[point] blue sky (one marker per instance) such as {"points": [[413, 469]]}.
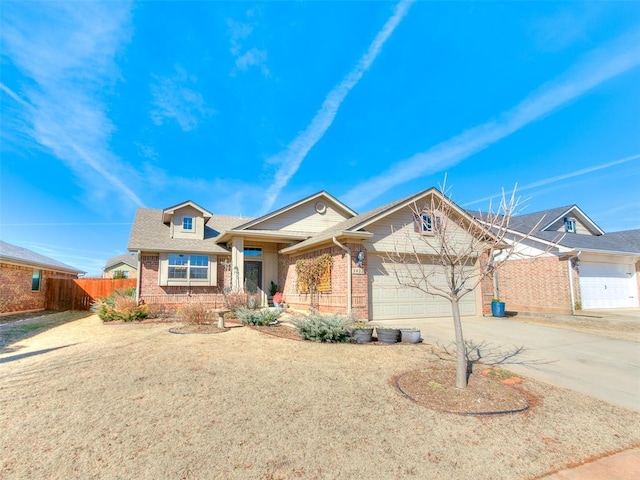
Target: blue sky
{"points": [[245, 107]]}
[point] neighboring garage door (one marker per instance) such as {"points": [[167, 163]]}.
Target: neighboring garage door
{"points": [[390, 301], [605, 285]]}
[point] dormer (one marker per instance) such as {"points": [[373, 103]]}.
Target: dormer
{"points": [[573, 221], [186, 220]]}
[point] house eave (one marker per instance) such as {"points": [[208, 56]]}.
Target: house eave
{"points": [[43, 266], [275, 237], [315, 243]]}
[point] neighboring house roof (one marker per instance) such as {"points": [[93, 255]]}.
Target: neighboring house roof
{"points": [[23, 256], [537, 223], [542, 220], [129, 259], [149, 232]]}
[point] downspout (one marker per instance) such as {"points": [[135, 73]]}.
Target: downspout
{"points": [[571, 294], [349, 295], [139, 258]]}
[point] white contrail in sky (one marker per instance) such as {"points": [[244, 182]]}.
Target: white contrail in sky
{"points": [[289, 160], [557, 178], [598, 67]]}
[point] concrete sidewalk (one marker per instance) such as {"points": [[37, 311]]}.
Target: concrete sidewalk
{"points": [[620, 466]]}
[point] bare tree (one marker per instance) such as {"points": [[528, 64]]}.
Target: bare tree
{"points": [[453, 252]]}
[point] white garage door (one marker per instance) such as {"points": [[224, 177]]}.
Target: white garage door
{"points": [[604, 285], [390, 301]]}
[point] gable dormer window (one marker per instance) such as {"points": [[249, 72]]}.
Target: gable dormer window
{"points": [[187, 224], [570, 225], [425, 223]]}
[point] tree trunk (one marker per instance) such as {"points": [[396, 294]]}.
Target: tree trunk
{"points": [[461, 350]]}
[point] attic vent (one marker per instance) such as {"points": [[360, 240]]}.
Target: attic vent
{"points": [[321, 207]]}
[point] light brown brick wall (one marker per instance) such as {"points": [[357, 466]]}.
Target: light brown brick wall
{"points": [[15, 288], [535, 285], [334, 301]]}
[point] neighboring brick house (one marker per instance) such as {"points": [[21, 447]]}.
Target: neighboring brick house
{"points": [[569, 263], [189, 254], [23, 278], [122, 266]]}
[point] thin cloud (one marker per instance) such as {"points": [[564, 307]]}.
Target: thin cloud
{"points": [[66, 53], [175, 99], [565, 176], [246, 57], [596, 68], [253, 57], [289, 160], [559, 178]]}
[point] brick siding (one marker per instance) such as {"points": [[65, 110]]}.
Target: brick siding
{"points": [[334, 301], [536, 285], [15, 288], [174, 296]]}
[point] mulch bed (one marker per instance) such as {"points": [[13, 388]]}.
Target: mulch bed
{"points": [[435, 388]]}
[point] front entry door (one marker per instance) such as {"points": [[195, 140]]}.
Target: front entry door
{"points": [[253, 276]]}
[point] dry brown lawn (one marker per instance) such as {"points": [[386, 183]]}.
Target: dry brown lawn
{"points": [[87, 400]]}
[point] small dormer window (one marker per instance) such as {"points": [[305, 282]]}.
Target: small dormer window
{"points": [[426, 224], [570, 225], [187, 223]]}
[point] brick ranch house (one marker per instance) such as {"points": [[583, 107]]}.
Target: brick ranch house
{"points": [[23, 278], [570, 264], [186, 253]]}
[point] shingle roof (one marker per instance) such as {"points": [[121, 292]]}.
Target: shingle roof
{"points": [[150, 233], [127, 258], [22, 255], [614, 242]]}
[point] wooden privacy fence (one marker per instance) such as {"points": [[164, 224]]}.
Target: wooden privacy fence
{"points": [[78, 293]]}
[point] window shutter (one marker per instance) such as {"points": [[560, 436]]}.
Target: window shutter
{"points": [[325, 282], [417, 223]]}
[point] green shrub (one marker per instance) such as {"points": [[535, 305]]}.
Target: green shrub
{"points": [[195, 314], [257, 317], [120, 305], [324, 328]]}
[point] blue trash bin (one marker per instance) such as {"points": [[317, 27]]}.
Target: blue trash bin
{"points": [[497, 309]]}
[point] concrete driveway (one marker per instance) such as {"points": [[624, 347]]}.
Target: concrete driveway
{"points": [[600, 367]]}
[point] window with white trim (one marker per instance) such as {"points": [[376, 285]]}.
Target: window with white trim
{"points": [[425, 223], [187, 223], [182, 267], [570, 225]]}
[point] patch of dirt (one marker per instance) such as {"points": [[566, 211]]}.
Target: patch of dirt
{"points": [[203, 328], [280, 330], [435, 388]]}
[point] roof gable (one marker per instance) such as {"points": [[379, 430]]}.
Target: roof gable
{"points": [[552, 220], [129, 259], [357, 225], [167, 213], [312, 214]]}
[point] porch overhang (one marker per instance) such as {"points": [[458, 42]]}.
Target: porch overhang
{"points": [[314, 243]]}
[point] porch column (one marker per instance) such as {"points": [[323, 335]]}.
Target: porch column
{"points": [[237, 263]]}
